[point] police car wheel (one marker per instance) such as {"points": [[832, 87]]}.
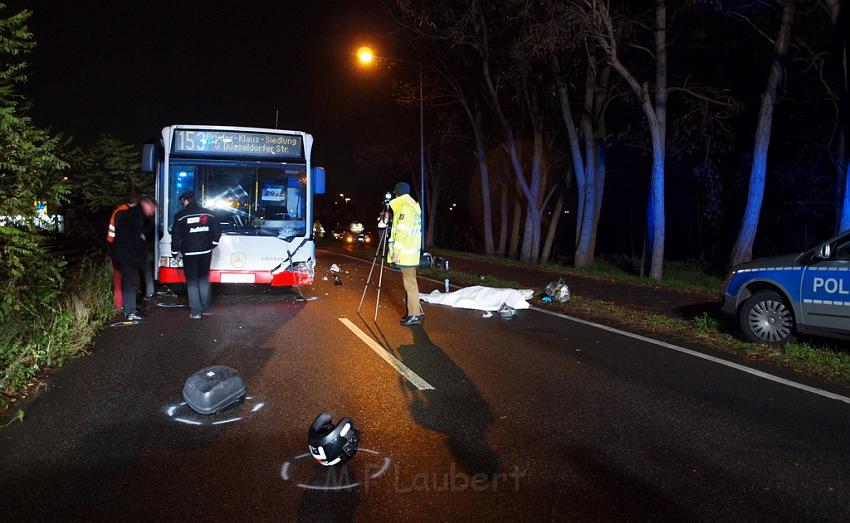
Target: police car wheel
{"points": [[767, 318]]}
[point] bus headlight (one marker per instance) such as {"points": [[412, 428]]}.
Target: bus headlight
{"points": [[167, 261], [305, 271]]}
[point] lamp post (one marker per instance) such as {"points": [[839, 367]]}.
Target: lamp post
{"points": [[367, 57]]}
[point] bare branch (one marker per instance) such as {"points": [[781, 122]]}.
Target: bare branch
{"points": [[642, 48], [700, 96], [754, 26]]}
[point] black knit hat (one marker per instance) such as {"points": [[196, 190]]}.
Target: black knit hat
{"points": [[401, 188]]}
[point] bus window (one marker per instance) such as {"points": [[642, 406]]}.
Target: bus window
{"points": [[249, 198]]}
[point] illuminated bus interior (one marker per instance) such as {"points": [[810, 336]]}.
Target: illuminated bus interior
{"points": [[250, 198]]}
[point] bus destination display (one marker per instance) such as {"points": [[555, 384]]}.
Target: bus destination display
{"points": [[234, 143]]}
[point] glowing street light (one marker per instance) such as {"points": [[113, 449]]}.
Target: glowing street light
{"points": [[367, 57]]}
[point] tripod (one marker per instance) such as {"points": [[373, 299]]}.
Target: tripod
{"points": [[382, 251]]}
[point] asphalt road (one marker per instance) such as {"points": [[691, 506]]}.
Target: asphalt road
{"points": [[534, 418]]}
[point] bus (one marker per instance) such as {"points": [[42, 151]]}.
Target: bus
{"points": [[259, 182]]}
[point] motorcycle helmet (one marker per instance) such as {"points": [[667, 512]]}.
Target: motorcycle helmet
{"points": [[332, 444]]}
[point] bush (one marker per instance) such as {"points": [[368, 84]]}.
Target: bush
{"points": [[29, 343]]}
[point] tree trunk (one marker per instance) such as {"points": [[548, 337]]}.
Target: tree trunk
{"points": [[512, 148], [599, 178], [655, 209], [584, 227], [575, 147], [484, 169], [600, 165], [503, 221], [537, 184], [553, 226], [743, 249], [517, 221]]}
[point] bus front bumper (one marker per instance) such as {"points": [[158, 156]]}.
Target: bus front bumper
{"points": [[281, 279]]}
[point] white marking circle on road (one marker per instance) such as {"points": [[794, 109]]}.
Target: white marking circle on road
{"points": [[402, 369], [331, 477], [721, 361]]}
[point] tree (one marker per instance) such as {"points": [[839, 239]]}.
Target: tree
{"points": [[743, 248], [603, 21], [30, 171], [106, 172]]}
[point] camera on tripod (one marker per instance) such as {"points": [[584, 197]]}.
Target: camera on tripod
{"points": [[384, 216]]}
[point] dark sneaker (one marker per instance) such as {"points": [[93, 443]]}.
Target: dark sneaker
{"points": [[411, 320], [133, 317], [195, 316]]}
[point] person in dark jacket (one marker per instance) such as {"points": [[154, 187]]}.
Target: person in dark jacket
{"points": [[195, 234], [127, 247]]}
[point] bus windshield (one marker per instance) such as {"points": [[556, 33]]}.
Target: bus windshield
{"points": [[250, 198]]}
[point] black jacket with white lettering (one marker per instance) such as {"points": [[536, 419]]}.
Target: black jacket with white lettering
{"points": [[196, 231]]}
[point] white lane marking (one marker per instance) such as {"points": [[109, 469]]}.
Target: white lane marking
{"points": [[697, 354], [402, 369], [720, 361]]}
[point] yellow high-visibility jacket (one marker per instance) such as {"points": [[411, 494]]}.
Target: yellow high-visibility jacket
{"points": [[406, 237]]}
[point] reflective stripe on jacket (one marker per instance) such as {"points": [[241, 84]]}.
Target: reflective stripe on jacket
{"points": [[406, 237], [110, 233]]}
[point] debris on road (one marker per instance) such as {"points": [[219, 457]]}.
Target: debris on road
{"points": [[324, 278], [337, 280], [335, 268], [124, 323], [558, 290], [506, 312], [487, 314], [441, 263]]}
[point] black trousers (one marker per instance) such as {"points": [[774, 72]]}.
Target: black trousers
{"points": [[129, 275], [197, 271]]}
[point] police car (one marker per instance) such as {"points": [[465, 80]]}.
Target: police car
{"points": [[809, 293]]}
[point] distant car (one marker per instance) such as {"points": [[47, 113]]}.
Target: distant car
{"points": [[338, 232], [809, 293], [357, 239]]}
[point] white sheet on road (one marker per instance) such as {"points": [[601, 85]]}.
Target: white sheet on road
{"points": [[480, 298]]}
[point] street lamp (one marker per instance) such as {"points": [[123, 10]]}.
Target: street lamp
{"points": [[367, 57]]}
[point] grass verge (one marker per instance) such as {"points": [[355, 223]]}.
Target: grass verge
{"points": [[31, 345]]}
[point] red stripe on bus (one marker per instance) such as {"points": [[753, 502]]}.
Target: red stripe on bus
{"points": [[281, 279]]}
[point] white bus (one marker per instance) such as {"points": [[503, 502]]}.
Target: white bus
{"points": [[260, 183]]}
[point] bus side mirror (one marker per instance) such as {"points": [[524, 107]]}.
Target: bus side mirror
{"points": [[149, 158], [318, 175], [824, 251]]}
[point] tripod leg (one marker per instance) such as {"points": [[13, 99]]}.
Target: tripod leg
{"points": [[372, 268], [380, 279]]}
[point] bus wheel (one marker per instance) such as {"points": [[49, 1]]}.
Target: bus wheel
{"points": [[766, 318]]}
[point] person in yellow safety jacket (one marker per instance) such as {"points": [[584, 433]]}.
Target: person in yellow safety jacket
{"points": [[404, 246]]}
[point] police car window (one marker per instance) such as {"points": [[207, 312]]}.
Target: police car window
{"points": [[842, 249]]}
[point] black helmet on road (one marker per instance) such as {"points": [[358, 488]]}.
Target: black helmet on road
{"points": [[333, 444]]}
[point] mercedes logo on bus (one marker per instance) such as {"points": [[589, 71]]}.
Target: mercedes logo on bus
{"points": [[238, 259]]}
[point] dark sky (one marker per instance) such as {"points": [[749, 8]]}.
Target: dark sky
{"points": [[131, 68]]}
